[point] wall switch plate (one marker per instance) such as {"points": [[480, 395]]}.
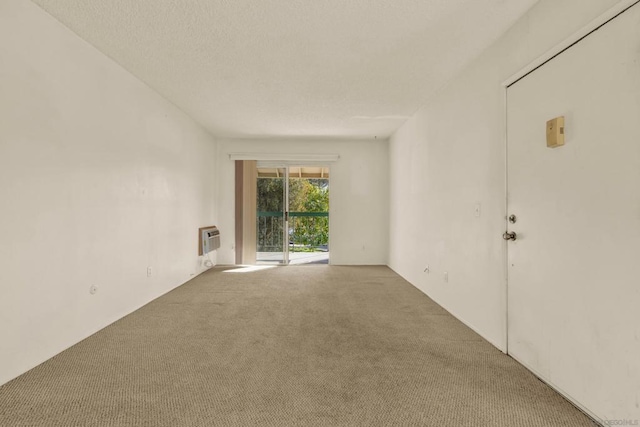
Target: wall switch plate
{"points": [[149, 271], [446, 277], [476, 210]]}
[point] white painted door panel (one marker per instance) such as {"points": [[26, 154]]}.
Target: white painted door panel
{"points": [[574, 270]]}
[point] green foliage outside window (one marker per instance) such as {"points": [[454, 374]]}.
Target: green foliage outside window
{"points": [[305, 195]]}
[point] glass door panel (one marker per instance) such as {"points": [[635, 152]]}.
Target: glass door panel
{"points": [[272, 230], [309, 214]]}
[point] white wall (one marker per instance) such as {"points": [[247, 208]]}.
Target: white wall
{"points": [[358, 197], [450, 156], [100, 177]]}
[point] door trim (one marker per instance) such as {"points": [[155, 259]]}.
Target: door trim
{"points": [[621, 7], [505, 350], [285, 218]]}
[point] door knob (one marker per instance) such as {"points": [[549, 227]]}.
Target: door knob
{"points": [[509, 236]]}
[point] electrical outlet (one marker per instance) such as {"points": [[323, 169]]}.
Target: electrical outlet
{"points": [[446, 277], [149, 271]]}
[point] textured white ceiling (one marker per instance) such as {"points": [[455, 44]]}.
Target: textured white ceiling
{"points": [[289, 68]]}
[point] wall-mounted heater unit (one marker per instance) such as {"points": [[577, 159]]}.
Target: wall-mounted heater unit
{"points": [[209, 239]]}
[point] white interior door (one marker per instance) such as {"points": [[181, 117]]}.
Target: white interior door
{"points": [[574, 270]]}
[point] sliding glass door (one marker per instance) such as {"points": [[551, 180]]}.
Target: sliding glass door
{"points": [[272, 241], [309, 215], [292, 214]]}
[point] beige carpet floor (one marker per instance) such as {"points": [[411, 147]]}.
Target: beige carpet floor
{"points": [[290, 346]]}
